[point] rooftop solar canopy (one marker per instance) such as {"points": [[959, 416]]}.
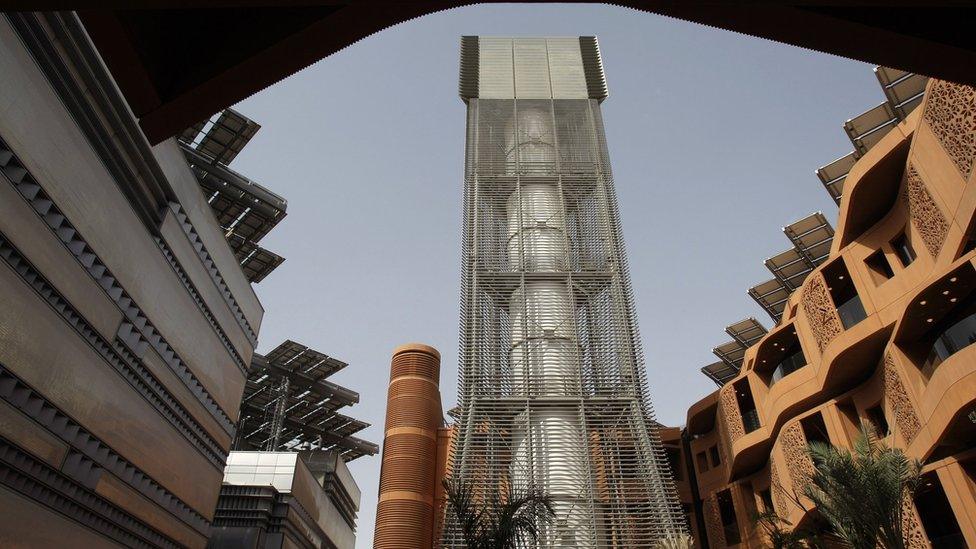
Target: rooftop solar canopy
{"points": [[867, 128], [906, 89], [288, 404], [240, 205], [719, 372], [747, 331], [812, 237], [255, 261], [731, 352], [222, 138], [772, 296], [833, 175], [789, 267]]}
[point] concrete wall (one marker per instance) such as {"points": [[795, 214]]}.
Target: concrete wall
{"points": [[122, 359]]}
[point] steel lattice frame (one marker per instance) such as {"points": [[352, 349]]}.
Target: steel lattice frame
{"points": [[552, 383]]}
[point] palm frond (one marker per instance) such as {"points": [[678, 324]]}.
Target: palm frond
{"points": [[862, 493]]}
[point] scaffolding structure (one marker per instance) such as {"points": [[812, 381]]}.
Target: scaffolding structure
{"points": [[552, 383]]}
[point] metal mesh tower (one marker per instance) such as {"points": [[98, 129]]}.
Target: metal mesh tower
{"points": [[552, 384]]}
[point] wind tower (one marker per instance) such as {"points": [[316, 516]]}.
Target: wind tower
{"points": [[552, 390]]}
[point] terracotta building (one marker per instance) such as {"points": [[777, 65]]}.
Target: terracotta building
{"points": [[878, 330], [415, 452]]}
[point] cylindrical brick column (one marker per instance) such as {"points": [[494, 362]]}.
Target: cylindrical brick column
{"points": [[405, 514]]}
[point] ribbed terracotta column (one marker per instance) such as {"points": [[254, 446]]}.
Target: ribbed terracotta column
{"points": [[405, 514]]}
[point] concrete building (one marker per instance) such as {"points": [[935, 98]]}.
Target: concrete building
{"points": [[878, 329], [274, 500], [552, 387], [128, 321]]}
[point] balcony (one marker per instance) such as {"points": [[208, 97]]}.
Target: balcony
{"points": [[953, 335]]}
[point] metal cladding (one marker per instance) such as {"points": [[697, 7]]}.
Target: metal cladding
{"points": [[408, 478], [552, 385]]}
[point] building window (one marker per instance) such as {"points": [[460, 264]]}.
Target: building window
{"points": [[747, 406], [730, 525], [713, 455], [814, 429], [702, 462], [880, 268], [876, 417], [936, 515], [793, 360], [952, 334], [842, 291], [766, 497], [903, 249]]}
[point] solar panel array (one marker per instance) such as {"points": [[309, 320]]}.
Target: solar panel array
{"points": [[245, 210], [289, 404], [903, 92], [744, 334]]}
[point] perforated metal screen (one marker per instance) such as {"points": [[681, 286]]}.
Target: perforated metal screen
{"points": [[552, 384]]}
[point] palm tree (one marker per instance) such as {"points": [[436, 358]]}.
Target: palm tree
{"points": [[500, 519], [677, 541], [782, 535], [862, 494]]}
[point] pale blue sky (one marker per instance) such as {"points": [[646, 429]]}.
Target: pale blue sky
{"points": [[714, 138]]}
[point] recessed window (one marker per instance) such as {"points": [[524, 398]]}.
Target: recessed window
{"points": [[730, 524], [876, 417], [950, 335], [844, 294], [814, 429], [880, 268], [713, 454], [747, 406], [938, 519], [903, 249], [767, 499], [702, 460], [787, 355]]}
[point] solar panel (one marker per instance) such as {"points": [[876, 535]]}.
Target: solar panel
{"points": [[789, 267], [747, 331], [887, 75], [240, 205], [256, 261], [905, 89], [719, 372], [832, 175], [289, 404], [731, 352], [772, 296], [870, 120], [812, 237], [223, 138], [903, 92]]}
